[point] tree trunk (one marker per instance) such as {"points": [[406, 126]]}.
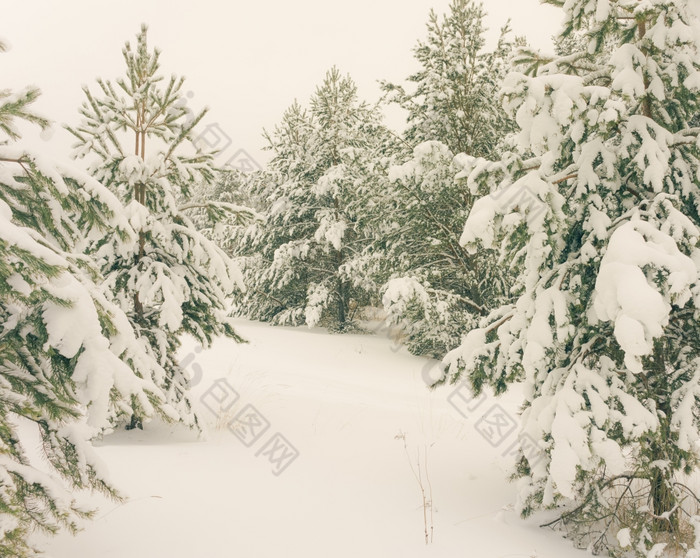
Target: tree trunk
{"points": [[342, 292], [661, 494], [662, 497], [140, 196], [646, 102], [663, 501], [342, 303], [135, 423]]}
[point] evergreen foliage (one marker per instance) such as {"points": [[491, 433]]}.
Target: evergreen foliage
{"points": [[170, 279], [430, 284], [71, 366], [453, 98], [602, 327], [327, 164]]}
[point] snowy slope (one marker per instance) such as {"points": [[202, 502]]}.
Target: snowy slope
{"points": [[340, 401]]}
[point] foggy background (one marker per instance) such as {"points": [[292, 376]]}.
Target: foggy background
{"points": [[246, 61]]}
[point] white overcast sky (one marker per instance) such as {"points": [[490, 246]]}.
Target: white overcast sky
{"points": [[246, 60]]}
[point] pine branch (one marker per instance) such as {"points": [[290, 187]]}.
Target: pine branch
{"points": [[15, 107]]}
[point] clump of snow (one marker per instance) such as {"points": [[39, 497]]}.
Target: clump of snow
{"points": [[623, 537], [628, 77], [331, 230], [317, 301], [403, 289], [426, 151], [133, 169], [626, 295]]}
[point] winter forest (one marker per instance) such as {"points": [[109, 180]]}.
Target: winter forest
{"points": [[474, 336]]}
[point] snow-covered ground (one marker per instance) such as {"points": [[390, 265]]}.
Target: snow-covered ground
{"points": [[317, 469]]}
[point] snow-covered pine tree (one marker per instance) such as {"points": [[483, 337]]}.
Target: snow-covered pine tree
{"points": [[71, 366], [431, 285], [327, 162], [598, 208], [138, 135], [453, 97]]}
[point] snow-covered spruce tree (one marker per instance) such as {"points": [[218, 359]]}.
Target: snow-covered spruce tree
{"points": [[170, 279], [327, 163], [71, 366], [599, 209], [453, 98]]}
